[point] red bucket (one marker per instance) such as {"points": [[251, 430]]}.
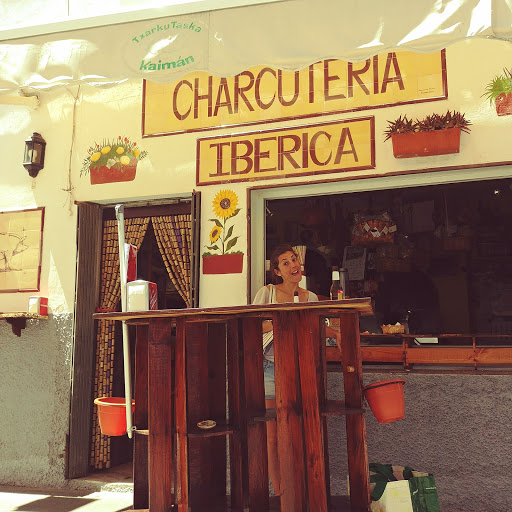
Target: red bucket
{"points": [[112, 415], [386, 399]]}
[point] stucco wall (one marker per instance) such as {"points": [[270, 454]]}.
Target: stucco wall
{"points": [[35, 401], [455, 426]]}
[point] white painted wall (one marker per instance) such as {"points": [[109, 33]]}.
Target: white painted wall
{"points": [[35, 395]]}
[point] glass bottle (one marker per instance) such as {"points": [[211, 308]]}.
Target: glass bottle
{"points": [[343, 293], [335, 286]]}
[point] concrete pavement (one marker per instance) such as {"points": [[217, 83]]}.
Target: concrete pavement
{"points": [[21, 499]]}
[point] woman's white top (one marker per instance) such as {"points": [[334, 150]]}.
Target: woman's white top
{"points": [[264, 297]]}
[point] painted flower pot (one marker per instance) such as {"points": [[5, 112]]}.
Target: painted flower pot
{"points": [[436, 142], [223, 264], [504, 104], [114, 174]]}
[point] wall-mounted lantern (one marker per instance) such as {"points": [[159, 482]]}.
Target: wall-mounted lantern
{"points": [[34, 154]]}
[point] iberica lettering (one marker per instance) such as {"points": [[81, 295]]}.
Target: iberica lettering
{"points": [[243, 156], [328, 147]]}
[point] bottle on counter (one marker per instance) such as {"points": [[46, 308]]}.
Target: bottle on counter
{"points": [[335, 285], [343, 283]]}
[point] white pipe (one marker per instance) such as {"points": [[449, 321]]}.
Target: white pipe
{"points": [[126, 339]]}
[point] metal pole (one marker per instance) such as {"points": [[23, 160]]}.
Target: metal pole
{"points": [[126, 339]]}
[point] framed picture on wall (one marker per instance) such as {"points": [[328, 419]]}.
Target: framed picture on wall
{"points": [[21, 243]]}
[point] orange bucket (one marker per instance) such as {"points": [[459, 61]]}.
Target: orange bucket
{"points": [[386, 399], [112, 415]]}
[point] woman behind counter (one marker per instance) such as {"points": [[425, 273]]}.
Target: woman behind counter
{"points": [[286, 274]]}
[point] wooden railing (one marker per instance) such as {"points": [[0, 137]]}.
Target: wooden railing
{"points": [[472, 351]]}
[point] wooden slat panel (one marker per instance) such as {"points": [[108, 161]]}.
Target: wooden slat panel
{"points": [[238, 441], [312, 387], [254, 393], [446, 355], [206, 399], [182, 469], [430, 355], [140, 449], [87, 290], [159, 417], [355, 423], [493, 355], [289, 409], [217, 392]]}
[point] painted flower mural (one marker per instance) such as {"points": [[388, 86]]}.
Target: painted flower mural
{"points": [[220, 258], [112, 161]]}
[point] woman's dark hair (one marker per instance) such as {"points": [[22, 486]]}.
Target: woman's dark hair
{"points": [[274, 260]]}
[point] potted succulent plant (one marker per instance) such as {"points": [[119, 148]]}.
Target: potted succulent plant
{"points": [[499, 92], [436, 134], [112, 161]]}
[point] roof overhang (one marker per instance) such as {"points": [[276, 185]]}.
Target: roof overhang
{"points": [[288, 35]]}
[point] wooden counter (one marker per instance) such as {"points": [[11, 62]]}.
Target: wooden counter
{"points": [[217, 353]]}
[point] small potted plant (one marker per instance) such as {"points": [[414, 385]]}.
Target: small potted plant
{"points": [[112, 161], [436, 134], [220, 257], [499, 92]]}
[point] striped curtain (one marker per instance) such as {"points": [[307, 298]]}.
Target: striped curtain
{"points": [[110, 295], [173, 234]]}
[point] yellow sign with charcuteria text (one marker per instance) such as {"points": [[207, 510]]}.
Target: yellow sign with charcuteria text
{"points": [[200, 101], [287, 152]]}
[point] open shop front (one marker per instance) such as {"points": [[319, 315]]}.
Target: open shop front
{"points": [[435, 258]]}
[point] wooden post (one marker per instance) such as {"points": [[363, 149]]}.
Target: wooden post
{"points": [[238, 465], [160, 418], [140, 442], [254, 393], [181, 479], [288, 411], [313, 398], [355, 423]]}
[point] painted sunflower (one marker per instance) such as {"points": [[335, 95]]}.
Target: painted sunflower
{"points": [[215, 234], [225, 204]]}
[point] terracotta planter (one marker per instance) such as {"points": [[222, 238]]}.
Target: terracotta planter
{"points": [[223, 264], [116, 173], [436, 142], [504, 104]]}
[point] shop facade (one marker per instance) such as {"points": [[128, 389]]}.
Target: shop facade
{"points": [[196, 160]]}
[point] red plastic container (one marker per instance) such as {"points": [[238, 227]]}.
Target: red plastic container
{"points": [[112, 415], [386, 399]]}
